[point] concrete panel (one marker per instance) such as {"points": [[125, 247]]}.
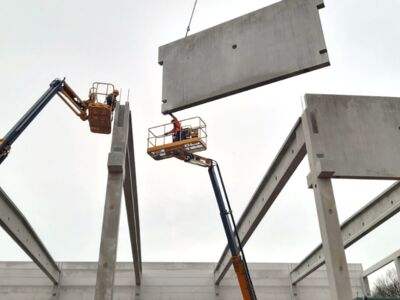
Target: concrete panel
{"points": [[163, 281], [267, 45], [354, 136]]}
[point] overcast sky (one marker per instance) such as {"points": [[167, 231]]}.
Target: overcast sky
{"points": [[56, 173]]}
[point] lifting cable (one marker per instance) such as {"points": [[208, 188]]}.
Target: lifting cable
{"points": [[191, 17], [236, 232]]}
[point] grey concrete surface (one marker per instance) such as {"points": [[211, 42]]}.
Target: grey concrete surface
{"points": [[354, 136], [112, 206], [285, 163], [164, 281], [279, 41], [328, 219], [369, 217], [18, 227], [132, 204], [333, 247]]}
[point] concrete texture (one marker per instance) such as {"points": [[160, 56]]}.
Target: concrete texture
{"points": [[164, 281], [267, 45], [369, 217], [354, 136], [20, 230], [112, 207], [132, 204], [285, 163]]}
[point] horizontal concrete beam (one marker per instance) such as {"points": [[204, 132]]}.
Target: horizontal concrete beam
{"points": [[357, 226], [273, 43], [18, 227], [285, 163], [379, 265]]}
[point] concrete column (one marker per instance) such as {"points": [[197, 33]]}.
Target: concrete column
{"points": [[397, 264], [336, 263], [55, 294], [137, 292], [217, 292], [109, 238], [292, 286], [112, 207], [365, 285]]}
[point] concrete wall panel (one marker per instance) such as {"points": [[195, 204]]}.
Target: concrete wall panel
{"points": [[163, 281], [354, 136], [267, 45]]}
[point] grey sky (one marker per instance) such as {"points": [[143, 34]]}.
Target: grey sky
{"points": [[56, 173]]}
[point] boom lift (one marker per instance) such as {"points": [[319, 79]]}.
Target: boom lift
{"points": [[193, 138], [98, 113]]}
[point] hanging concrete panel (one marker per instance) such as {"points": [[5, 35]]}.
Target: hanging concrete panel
{"points": [[267, 45], [353, 136]]}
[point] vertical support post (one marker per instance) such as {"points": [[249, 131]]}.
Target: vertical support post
{"points": [[217, 292], [55, 294], [332, 242], [365, 285], [292, 287], [333, 247], [137, 292], [112, 207], [397, 264]]}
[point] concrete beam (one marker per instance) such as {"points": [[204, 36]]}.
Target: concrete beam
{"points": [[132, 207], [379, 265], [285, 163], [18, 227], [112, 207], [271, 44], [357, 226]]}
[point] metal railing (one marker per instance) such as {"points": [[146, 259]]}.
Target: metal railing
{"points": [[190, 128]]}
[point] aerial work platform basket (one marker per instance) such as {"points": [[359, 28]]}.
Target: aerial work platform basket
{"points": [[102, 100], [192, 137]]}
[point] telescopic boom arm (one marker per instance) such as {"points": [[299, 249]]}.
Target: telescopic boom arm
{"points": [[228, 221], [99, 118]]}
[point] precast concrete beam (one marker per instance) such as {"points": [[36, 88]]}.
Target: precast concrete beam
{"points": [[384, 262], [112, 207], [285, 163], [376, 212], [19, 229], [271, 44], [132, 207], [354, 136]]}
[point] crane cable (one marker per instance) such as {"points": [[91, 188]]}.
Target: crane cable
{"points": [[191, 17]]}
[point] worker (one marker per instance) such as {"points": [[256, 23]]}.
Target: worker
{"points": [[176, 130], [110, 99]]}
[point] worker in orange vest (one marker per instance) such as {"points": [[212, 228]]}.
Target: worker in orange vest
{"points": [[176, 131]]}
